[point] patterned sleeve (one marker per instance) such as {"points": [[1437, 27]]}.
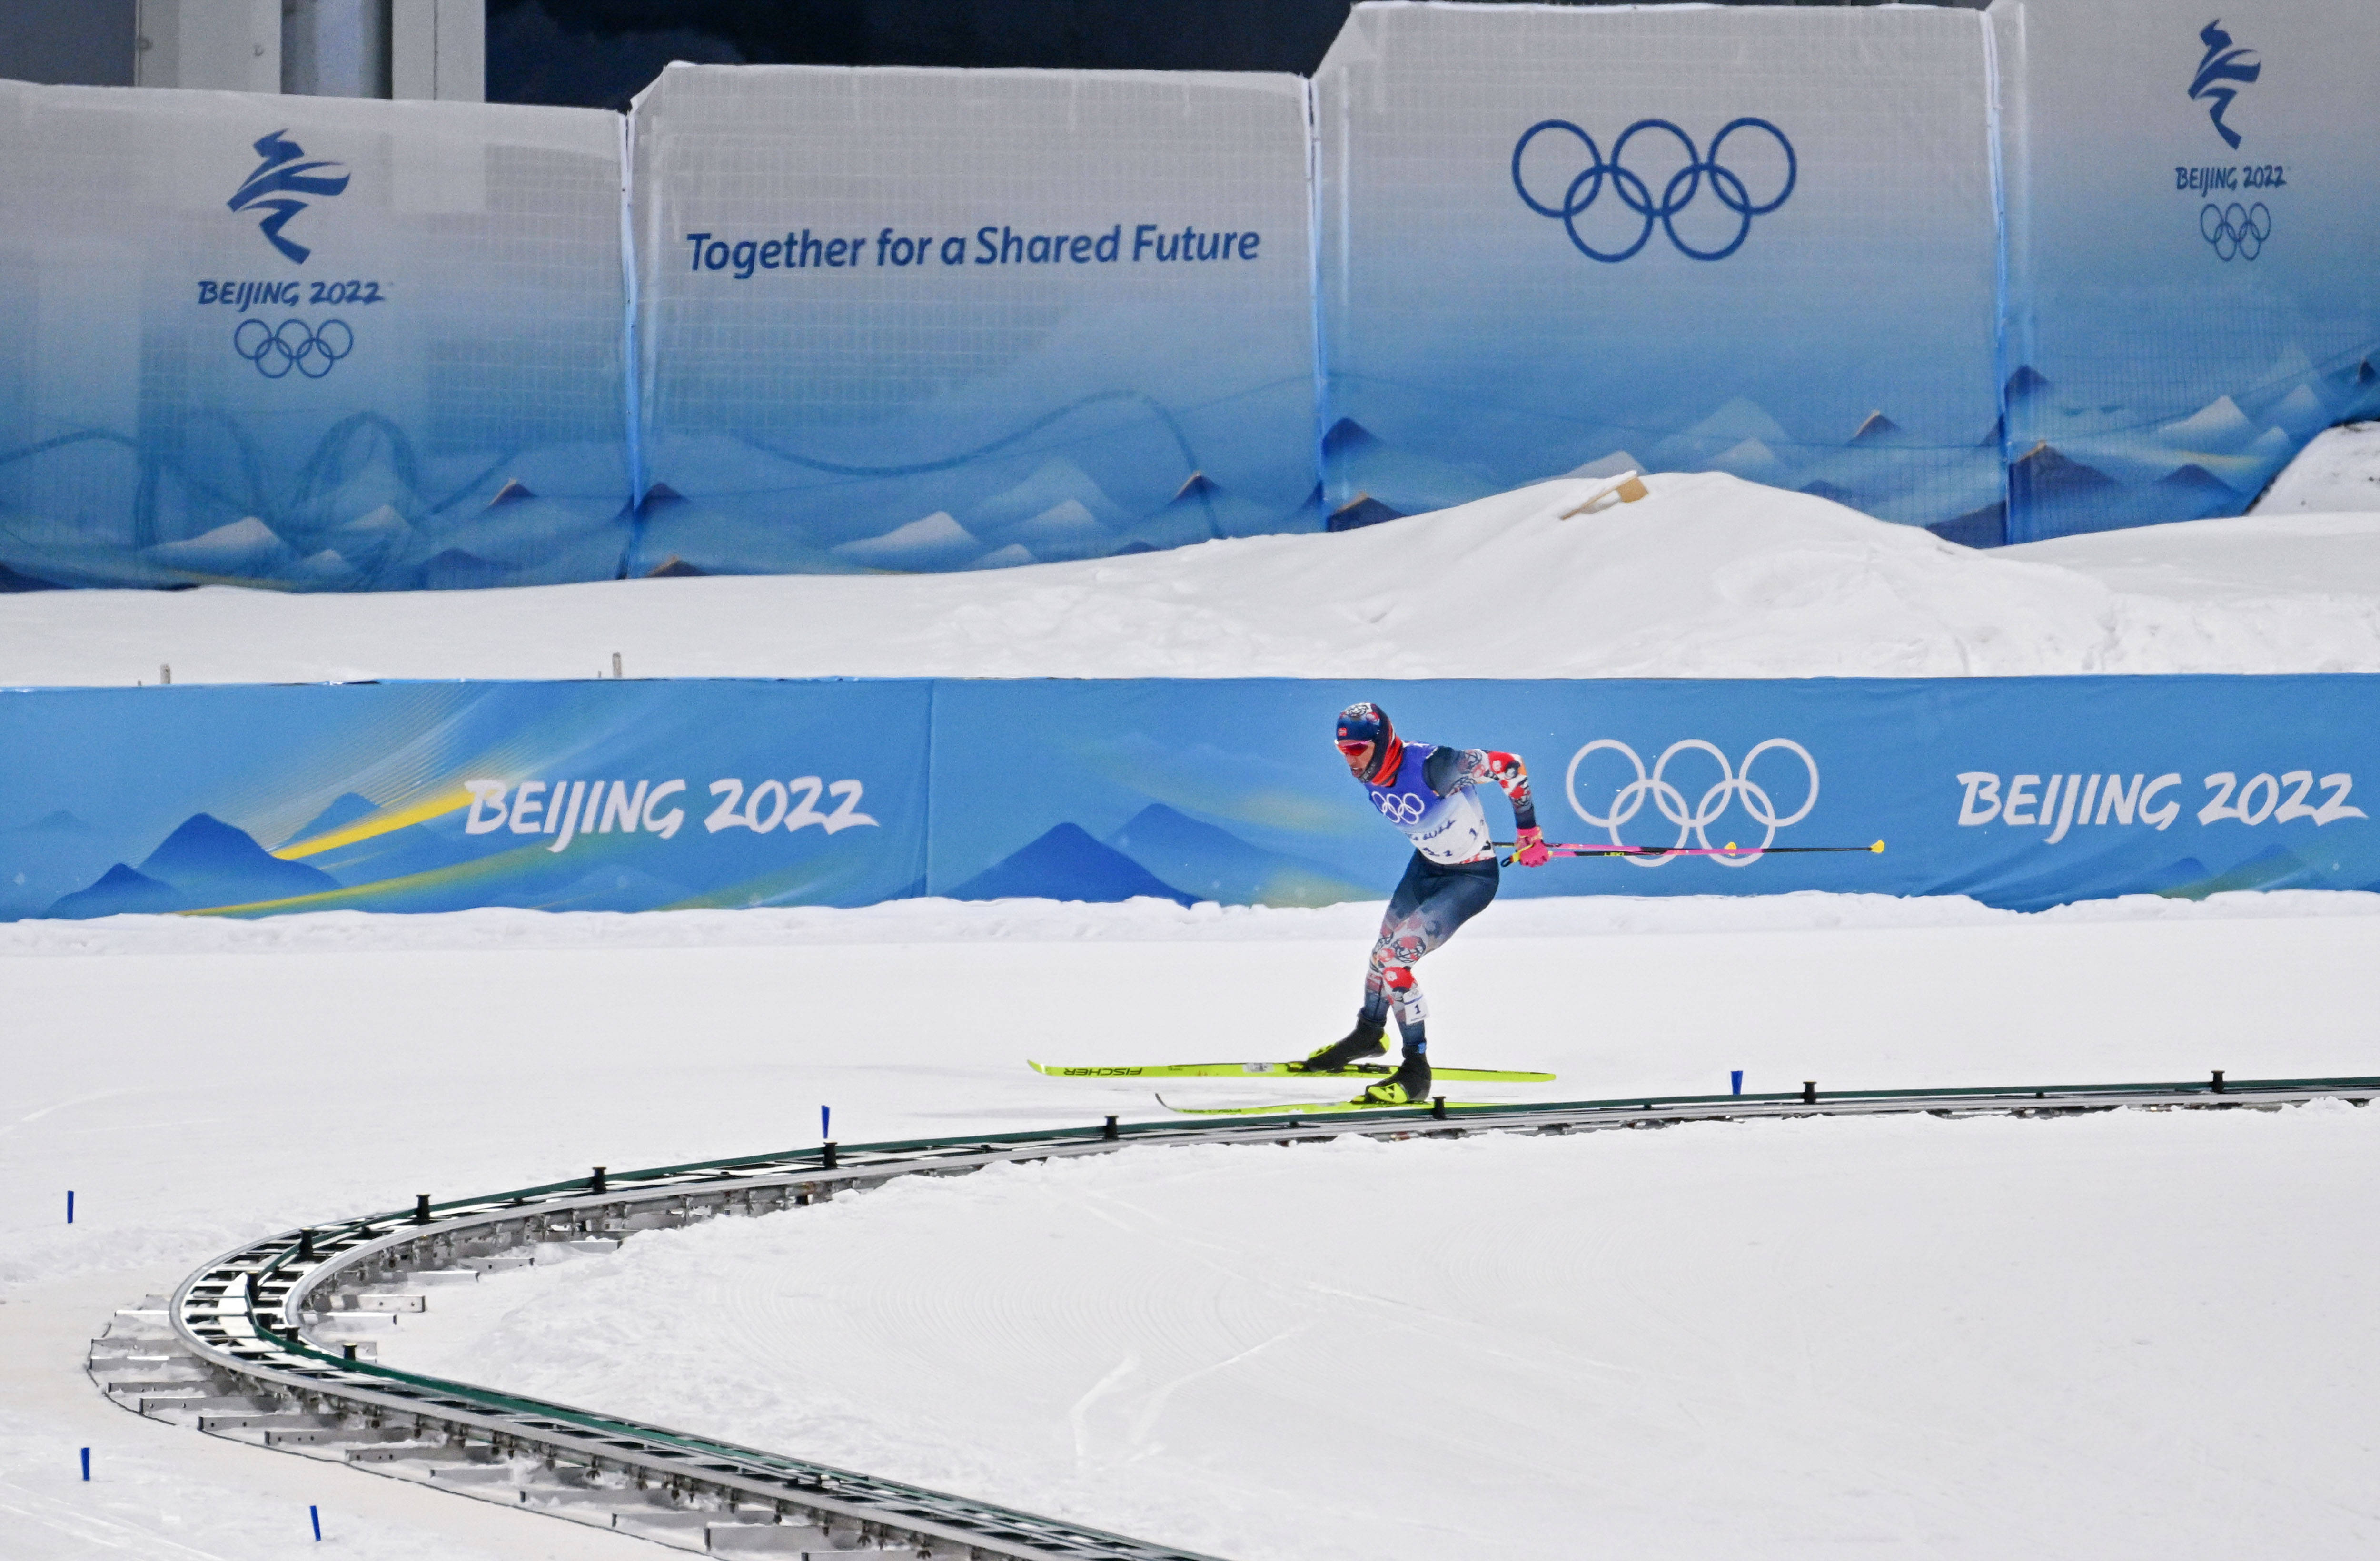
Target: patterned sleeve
{"points": [[1450, 769]]}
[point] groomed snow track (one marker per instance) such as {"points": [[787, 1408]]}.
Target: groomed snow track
{"points": [[242, 1351]]}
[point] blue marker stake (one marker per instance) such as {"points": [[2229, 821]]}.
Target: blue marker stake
{"points": [[69, 1208], [86, 1464], [1735, 1081], [316, 1514], [824, 1113]]}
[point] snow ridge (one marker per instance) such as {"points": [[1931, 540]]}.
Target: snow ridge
{"points": [[1710, 576]]}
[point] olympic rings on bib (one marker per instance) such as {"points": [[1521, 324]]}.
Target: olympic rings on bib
{"points": [[1399, 807], [1734, 783], [2235, 231], [1678, 192], [310, 350]]}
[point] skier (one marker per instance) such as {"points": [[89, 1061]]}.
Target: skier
{"points": [[1426, 792]]}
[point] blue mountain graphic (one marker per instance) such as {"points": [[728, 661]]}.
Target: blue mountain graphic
{"points": [[1067, 864], [2044, 473], [1348, 439], [2273, 867], [614, 889], [119, 891], [1214, 864], [346, 810], [44, 859], [1359, 512], [56, 822], [2174, 880], [216, 864], [2023, 385], [205, 863]]}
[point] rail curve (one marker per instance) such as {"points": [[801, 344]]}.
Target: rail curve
{"points": [[238, 1350]]}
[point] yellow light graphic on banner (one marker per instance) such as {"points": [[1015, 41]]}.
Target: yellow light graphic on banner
{"points": [[496, 866], [379, 824]]}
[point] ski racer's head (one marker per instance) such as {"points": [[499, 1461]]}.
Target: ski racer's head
{"points": [[1368, 743]]}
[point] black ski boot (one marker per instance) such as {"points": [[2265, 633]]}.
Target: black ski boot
{"points": [[1361, 1041], [1409, 1085]]}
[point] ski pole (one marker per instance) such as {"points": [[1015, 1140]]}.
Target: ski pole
{"points": [[1730, 849]]}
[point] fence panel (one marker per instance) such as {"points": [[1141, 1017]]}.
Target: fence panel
{"points": [[315, 344], [928, 320], [1759, 241], [2193, 230]]}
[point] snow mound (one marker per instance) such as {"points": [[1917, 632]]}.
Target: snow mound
{"points": [[1711, 576], [2338, 470]]}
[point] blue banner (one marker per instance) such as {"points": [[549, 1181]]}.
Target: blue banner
{"points": [[594, 796], [614, 795]]}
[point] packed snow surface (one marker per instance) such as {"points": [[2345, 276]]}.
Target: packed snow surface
{"points": [[2325, 564], [1955, 1338], [200, 1083], [1709, 576]]}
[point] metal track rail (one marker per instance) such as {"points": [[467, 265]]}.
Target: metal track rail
{"points": [[259, 1344]]}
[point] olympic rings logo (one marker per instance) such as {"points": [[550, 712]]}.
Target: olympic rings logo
{"points": [[1734, 783], [2235, 231], [1679, 192], [1400, 808], [310, 350]]}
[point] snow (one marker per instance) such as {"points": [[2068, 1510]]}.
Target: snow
{"points": [[2146, 1334], [2339, 469], [1709, 576], [1960, 1338], [200, 1083], [2323, 563]]}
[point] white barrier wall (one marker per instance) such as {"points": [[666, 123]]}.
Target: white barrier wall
{"points": [[2066, 265], [338, 345], [931, 319], [2193, 244], [1758, 240]]}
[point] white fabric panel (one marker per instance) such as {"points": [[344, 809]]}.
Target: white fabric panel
{"points": [[942, 319], [2191, 239], [1811, 304], [309, 341]]}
